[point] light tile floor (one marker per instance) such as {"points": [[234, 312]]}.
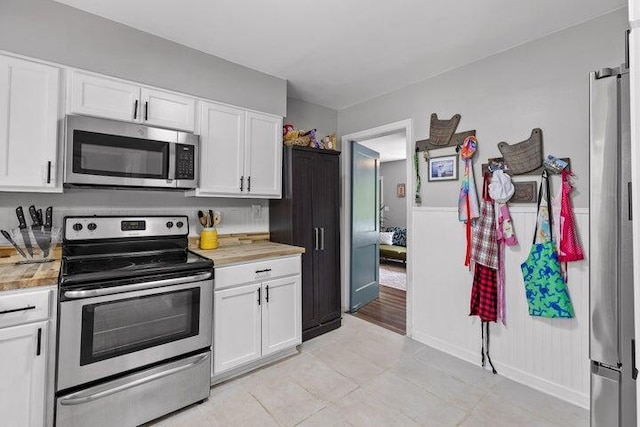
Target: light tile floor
{"points": [[364, 375]]}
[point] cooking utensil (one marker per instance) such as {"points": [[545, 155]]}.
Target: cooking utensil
{"points": [[13, 243], [48, 222], [202, 218], [40, 216], [210, 218], [22, 224]]}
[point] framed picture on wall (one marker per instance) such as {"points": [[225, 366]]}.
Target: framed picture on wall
{"points": [[443, 168], [401, 190]]}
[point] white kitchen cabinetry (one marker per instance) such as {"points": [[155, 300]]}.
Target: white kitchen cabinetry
{"points": [[29, 108], [256, 314], [240, 153], [24, 350], [99, 96]]}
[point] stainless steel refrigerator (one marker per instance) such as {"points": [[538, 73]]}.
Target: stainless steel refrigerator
{"points": [[611, 342]]}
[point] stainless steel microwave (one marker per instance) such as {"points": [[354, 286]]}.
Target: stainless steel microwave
{"points": [[100, 152]]}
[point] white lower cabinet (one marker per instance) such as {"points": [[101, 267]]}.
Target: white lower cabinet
{"points": [[255, 319], [26, 390], [281, 315], [237, 320], [23, 369]]}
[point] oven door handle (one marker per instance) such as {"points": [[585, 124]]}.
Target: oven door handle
{"points": [[89, 293], [82, 396]]}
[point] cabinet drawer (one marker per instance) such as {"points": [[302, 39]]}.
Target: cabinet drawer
{"points": [[256, 271], [24, 307]]}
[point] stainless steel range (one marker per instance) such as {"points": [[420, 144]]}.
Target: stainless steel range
{"points": [[135, 318]]}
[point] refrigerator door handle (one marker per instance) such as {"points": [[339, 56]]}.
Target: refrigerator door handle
{"points": [[634, 370]]}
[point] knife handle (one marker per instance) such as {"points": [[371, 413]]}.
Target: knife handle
{"points": [[34, 215], [48, 217], [21, 221], [40, 222]]}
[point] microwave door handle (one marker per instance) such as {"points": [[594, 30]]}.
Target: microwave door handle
{"points": [[171, 173], [82, 396], [90, 293]]}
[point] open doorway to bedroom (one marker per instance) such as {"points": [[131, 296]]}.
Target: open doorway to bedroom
{"points": [[388, 309]]}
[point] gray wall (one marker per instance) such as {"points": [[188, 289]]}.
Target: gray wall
{"points": [[539, 84], [394, 173], [52, 31], [305, 115]]}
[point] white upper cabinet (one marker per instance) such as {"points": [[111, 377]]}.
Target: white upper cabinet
{"points": [[221, 150], [167, 109], [240, 153], [29, 110], [263, 155], [99, 96]]}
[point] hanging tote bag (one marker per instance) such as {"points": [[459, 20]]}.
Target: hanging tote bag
{"points": [[546, 290], [569, 248]]}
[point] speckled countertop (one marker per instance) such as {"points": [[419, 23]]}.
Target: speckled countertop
{"points": [[255, 251], [23, 276]]}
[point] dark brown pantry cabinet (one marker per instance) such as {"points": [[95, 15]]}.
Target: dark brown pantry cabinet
{"points": [[308, 215]]}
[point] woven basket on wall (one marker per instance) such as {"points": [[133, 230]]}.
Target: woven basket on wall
{"points": [[524, 156], [441, 131]]}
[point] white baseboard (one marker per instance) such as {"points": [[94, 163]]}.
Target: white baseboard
{"points": [[506, 371]]}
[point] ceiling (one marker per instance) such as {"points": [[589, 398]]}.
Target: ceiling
{"points": [[391, 147], [338, 53]]}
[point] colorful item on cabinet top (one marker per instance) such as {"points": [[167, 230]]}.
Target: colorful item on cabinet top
{"points": [[546, 290], [468, 208]]}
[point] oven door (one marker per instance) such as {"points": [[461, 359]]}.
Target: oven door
{"points": [[110, 153], [106, 332]]}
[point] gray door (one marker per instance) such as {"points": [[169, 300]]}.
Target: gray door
{"points": [[365, 222]]}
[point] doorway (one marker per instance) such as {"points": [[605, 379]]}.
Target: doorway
{"points": [[391, 306]]}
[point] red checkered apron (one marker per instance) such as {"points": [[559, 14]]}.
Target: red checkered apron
{"points": [[484, 294]]}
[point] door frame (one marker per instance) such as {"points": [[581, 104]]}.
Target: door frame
{"points": [[345, 215]]}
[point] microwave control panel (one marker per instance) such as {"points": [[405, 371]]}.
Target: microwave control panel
{"points": [[185, 161]]}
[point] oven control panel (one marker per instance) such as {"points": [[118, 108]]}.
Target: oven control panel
{"points": [[114, 227]]}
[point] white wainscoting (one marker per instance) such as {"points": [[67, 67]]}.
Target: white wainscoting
{"points": [[551, 355]]}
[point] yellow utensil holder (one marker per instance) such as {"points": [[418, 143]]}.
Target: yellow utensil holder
{"points": [[209, 238]]}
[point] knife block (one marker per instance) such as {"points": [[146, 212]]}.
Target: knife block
{"points": [[36, 244]]}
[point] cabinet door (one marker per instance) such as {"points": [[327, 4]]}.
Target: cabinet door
{"points": [[237, 333], [263, 155], [221, 151], [28, 125], [22, 374], [301, 177], [281, 326], [326, 217], [102, 97], [166, 109]]}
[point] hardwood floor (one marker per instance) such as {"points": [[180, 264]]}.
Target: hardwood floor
{"points": [[389, 310]]}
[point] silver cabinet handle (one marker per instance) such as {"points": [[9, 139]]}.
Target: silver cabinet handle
{"points": [[322, 238], [315, 230], [81, 397], [136, 287]]}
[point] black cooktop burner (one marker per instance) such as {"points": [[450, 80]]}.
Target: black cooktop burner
{"points": [[100, 268]]}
